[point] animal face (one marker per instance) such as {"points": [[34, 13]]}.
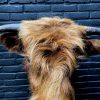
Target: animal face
{"points": [[52, 46], [51, 39]]}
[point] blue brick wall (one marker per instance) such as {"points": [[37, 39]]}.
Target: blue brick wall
{"points": [[13, 78]]}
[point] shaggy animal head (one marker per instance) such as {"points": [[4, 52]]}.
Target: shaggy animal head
{"points": [[47, 42], [50, 44]]}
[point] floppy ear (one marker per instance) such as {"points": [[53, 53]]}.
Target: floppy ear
{"points": [[10, 39], [92, 46]]}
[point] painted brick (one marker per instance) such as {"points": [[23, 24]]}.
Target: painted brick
{"points": [[2, 49], [13, 79], [2, 96], [21, 75], [17, 98], [77, 1], [37, 8], [77, 15], [54, 1], [2, 89], [8, 62], [22, 1], [6, 55], [90, 22], [4, 16], [12, 69], [95, 14], [19, 61], [50, 14], [1, 83], [89, 64], [3, 1], [95, 1], [90, 96], [7, 76], [40, 1], [16, 88], [14, 55], [64, 7], [23, 16], [89, 7], [95, 57], [16, 94], [15, 82], [11, 8]]}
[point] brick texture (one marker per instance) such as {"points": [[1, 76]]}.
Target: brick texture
{"points": [[63, 8], [77, 1], [13, 78], [21, 1], [11, 8], [3, 1], [37, 8]]}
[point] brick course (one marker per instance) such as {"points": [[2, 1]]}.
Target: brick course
{"points": [[13, 78]]}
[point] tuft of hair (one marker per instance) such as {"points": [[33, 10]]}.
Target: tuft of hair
{"points": [[49, 45]]}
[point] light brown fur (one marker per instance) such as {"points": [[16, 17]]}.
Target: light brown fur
{"points": [[49, 74], [51, 46]]}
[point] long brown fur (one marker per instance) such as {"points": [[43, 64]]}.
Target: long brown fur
{"points": [[50, 45]]}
